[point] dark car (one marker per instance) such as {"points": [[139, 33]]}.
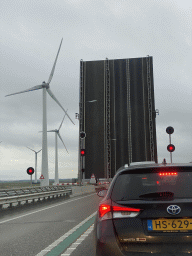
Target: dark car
{"points": [[146, 210], [102, 184]]}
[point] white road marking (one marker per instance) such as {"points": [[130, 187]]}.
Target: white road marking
{"points": [[68, 201], [55, 243]]}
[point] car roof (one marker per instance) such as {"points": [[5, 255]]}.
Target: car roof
{"points": [[143, 165]]}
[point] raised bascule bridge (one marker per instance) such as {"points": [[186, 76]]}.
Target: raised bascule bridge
{"points": [[117, 113]]}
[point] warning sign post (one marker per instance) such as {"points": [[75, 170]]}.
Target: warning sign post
{"points": [[92, 180], [41, 177]]}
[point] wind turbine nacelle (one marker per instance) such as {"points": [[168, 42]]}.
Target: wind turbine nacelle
{"points": [[45, 85]]}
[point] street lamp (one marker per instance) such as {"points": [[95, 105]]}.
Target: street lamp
{"points": [[91, 101], [77, 116]]}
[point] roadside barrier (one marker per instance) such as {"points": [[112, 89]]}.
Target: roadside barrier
{"points": [[74, 184], [71, 184], [18, 195]]}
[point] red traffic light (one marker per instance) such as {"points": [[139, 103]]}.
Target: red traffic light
{"points": [[82, 152], [171, 148], [30, 171]]}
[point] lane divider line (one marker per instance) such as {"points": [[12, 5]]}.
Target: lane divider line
{"points": [[75, 244], [58, 246]]}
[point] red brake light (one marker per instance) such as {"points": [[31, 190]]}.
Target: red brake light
{"points": [[167, 173], [124, 209], [103, 209]]}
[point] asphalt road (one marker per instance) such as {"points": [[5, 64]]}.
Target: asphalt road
{"points": [[57, 227]]}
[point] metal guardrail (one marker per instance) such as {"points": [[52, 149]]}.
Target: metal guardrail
{"points": [[18, 195]]}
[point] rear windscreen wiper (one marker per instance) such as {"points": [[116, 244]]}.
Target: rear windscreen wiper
{"points": [[158, 195]]}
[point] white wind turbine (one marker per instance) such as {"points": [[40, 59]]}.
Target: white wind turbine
{"points": [[56, 150], [36, 152], [45, 87]]}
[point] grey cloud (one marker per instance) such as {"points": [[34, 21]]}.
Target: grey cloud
{"points": [[91, 30]]}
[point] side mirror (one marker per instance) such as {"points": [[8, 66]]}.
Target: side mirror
{"points": [[102, 193]]}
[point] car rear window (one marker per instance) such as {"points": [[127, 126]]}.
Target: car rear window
{"points": [[132, 186]]}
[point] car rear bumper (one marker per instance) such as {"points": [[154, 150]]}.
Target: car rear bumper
{"points": [[110, 248], [107, 244], [158, 249], [105, 239]]}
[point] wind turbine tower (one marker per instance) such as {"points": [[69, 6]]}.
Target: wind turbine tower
{"points": [[45, 87], [56, 150], [36, 152]]}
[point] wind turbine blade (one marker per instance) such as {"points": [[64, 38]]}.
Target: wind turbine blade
{"points": [[31, 149], [52, 96], [37, 87], [62, 121], [63, 142], [50, 131], [53, 69], [39, 150]]}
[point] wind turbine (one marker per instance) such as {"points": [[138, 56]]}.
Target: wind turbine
{"points": [[56, 150], [45, 87], [36, 152]]}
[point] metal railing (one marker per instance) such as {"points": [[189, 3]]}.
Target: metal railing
{"points": [[18, 195]]}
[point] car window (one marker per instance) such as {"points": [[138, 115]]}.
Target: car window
{"points": [[129, 186]]}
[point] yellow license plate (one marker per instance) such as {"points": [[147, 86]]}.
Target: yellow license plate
{"points": [[169, 224]]}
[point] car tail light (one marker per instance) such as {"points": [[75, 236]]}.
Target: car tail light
{"points": [[125, 212], [107, 211], [124, 209], [103, 209]]}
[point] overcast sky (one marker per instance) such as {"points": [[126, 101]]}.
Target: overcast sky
{"points": [[31, 32]]}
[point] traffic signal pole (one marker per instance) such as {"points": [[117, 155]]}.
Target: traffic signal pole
{"points": [[83, 160], [170, 147], [30, 172], [82, 156], [170, 152]]}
